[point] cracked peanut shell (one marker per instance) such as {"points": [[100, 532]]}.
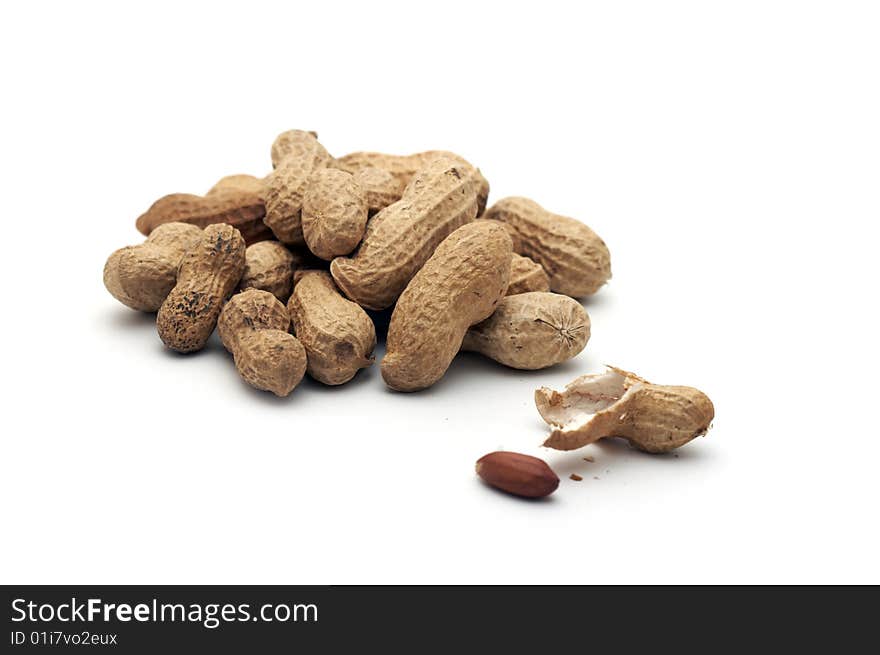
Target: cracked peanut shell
{"points": [[460, 285], [652, 417]]}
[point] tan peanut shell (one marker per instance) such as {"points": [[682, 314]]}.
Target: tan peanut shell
{"points": [[531, 330], [337, 334], [461, 284], [208, 273], [380, 188], [286, 187], [239, 184], [526, 275], [268, 266], [253, 327], [652, 417], [292, 142], [404, 168], [401, 237], [334, 213], [142, 276], [575, 258], [243, 211]]}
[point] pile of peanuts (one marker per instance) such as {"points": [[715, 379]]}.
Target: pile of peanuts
{"points": [[286, 268]]}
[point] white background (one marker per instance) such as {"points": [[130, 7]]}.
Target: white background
{"points": [[729, 154]]}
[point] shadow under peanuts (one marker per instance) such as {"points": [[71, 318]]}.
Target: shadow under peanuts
{"points": [[125, 318]]}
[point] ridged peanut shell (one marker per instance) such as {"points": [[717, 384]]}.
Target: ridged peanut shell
{"points": [[380, 188], [291, 142], [286, 187], [142, 276], [654, 418], [253, 327], [208, 273], [401, 237], [239, 184], [526, 275], [334, 213], [460, 285], [575, 258], [405, 167], [338, 335], [243, 211], [531, 331], [268, 266]]}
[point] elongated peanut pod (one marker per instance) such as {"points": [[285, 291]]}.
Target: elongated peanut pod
{"points": [[461, 284], [208, 274], [575, 258], [531, 331], [654, 418], [401, 237], [240, 209]]}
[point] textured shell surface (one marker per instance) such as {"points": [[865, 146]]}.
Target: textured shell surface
{"points": [[338, 335], [208, 273], [653, 418], [243, 211], [575, 258], [405, 167], [286, 187], [526, 275], [271, 360], [400, 238], [268, 266], [334, 213], [247, 311], [291, 143], [531, 331], [142, 276], [240, 183], [380, 188], [461, 284]]}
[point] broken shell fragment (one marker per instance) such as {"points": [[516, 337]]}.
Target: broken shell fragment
{"points": [[654, 418]]}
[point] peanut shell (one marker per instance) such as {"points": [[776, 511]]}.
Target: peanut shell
{"points": [[380, 188], [239, 184], [334, 213], [268, 266], [526, 275], [531, 331], [142, 276], [575, 258], [243, 211], [253, 327], [401, 237], [286, 187], [337, 334], [654, 418], [208, 273], [460, 285]]}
